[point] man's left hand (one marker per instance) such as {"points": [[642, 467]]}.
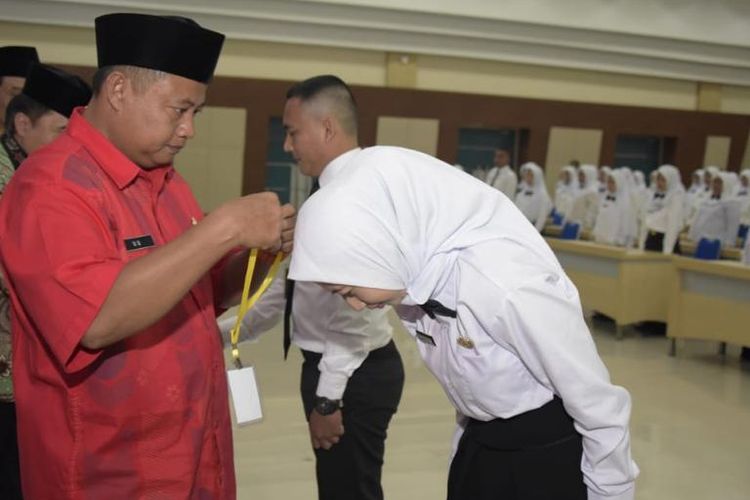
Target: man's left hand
{"points": [[325, 430]]}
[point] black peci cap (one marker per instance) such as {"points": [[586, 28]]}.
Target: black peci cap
{"points": [[56, 89], [17, 60], [175, 45]]}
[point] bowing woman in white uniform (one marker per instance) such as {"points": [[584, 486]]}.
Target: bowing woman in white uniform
{"points": [[533, 200], [664, 213], [495, 317], [615, 222], [718, 217]]}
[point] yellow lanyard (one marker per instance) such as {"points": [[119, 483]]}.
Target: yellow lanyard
{"points": [[249, 301]]}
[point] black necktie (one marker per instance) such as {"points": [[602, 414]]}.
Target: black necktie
{"points": [[289, 295], [434, 308], [528, 193], [611, 198]]}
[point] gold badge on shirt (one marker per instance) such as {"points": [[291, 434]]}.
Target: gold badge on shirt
{"points": [[466, 342]]}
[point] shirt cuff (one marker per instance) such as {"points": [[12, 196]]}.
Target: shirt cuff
{"points": [[628, 494], [331, 385]]}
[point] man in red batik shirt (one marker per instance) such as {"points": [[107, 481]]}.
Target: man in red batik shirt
{"points": [[116, 277]]}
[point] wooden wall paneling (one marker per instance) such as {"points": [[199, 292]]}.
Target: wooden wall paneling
{"points": [[689, 129]]}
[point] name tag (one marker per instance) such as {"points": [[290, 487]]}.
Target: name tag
{"points": [[245, 395], [425, 339], [139, 243]]}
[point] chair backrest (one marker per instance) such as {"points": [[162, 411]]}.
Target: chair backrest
{"points": [[708, 249], [570, 231], [557, 219]]}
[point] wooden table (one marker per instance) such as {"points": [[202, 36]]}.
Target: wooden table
{"points": [[627, 285], [710, 300]]}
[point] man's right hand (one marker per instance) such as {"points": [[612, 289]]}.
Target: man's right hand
{"points": [[253, 221]]}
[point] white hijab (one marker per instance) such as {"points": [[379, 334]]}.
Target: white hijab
{"points": [[697, 186], [615, 221], [566, 193], [397, 219], [534, 201], [741, 190], [591, 182]]}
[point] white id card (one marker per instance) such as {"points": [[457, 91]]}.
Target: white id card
{"points": [[245, 395]]}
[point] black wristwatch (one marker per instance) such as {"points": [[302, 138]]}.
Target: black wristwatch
{"points": [[325, 406]]}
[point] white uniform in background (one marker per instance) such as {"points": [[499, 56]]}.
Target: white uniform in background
{"points": [[718, 217], [459, 167], [565, 194], [695, 194], [708, 174], [534, 201], [743, 196], [586, 203], [480, 173], [616, 220], [665, 211], [601, 177], [503, 179], [516, 336]]}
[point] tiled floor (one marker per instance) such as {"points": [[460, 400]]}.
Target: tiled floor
{"points": [[690, 423]]}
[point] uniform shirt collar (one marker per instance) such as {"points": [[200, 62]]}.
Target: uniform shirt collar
{"points": [[334, 167], [111, 160]]}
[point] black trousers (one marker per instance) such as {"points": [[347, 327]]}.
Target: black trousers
{"points": [[10, 473], [532, 456], [351, 469], [655, 243]]}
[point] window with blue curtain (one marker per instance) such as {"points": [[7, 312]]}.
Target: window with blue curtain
{"points": [[279, 164], [476, 146]]}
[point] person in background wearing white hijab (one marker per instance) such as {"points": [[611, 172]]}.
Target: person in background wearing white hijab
{"points": [[615, 222], [601, 176], [694, 195], [501, 176], [718, 216], [533, 200], [567, 188], [743, 195], [664, 213], [586, 203], [538, 417]]}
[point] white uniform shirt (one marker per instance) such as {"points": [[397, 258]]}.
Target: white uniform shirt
{"points": [[520, 358], [503, 179], [616, 220], [586, 203], [743, 195], [717, 220], [534, 201], [664, 212]]}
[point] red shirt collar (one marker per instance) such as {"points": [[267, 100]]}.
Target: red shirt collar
{"points": [[111, 160]]}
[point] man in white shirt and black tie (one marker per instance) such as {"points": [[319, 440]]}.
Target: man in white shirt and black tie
{"points": [[352, 375], [501, 176]]}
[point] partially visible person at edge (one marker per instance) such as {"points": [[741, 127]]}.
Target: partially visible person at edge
{"points": [[15, 63], [116, 278], [34, 118]]}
